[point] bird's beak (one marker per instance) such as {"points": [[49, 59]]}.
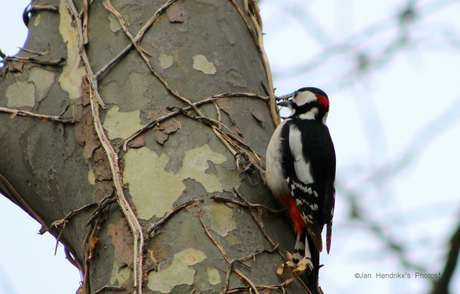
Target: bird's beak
{"points": [[285, 103]]}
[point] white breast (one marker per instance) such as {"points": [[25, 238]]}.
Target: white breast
{"points": [[274, 175]]}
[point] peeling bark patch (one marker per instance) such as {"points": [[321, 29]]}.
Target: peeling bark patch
{"points": [[166, 60], [213, 276], [202, 64], [164, 129], [178, 273], [99, 174], [229, 178], [119, 274], [236, 79], [72, 73], [87, 135], [195, 165], [228, 31], [114, 24], [175, 14], [232, 240], [15, 67], [42, 79], [226, 106], [91, 176], [121, 124], [21, 94], [37, 20], [154, 190], [122, 242], [137, 142], [221, 218], [132, 90], [258, 116]]}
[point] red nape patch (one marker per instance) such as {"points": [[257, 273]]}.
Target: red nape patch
{"points": [[297, 220], [322, 100]]}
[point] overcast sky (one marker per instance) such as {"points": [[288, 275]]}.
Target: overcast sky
{"points": [[406, 110]]}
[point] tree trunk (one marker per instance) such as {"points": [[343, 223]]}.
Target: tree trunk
{"points": [[119, 143]]}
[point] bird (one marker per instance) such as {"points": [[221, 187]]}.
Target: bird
{"points": [[300, 172]]}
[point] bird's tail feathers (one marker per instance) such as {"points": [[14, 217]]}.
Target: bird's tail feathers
{"points": [[312, 279]]}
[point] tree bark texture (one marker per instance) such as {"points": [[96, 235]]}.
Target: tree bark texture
{"points": [[119, 126]]}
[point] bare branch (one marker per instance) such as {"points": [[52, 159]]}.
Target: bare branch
{"points": [[441, 285], [52, 118]]}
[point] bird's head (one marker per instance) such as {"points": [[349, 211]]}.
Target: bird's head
{"points": [[308, 103]]}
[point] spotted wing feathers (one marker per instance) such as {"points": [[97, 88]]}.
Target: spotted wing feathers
{"points": [[306, 200]]}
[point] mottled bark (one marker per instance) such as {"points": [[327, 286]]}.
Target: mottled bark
{"points": [[132, 143]]}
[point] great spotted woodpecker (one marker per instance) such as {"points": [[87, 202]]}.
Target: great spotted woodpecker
{"points": [[301, 173]]}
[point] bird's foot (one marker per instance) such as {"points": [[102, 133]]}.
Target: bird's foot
{"points": [[295, 266], [244, 163]]}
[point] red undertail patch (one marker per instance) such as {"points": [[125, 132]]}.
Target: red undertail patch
{"points": [[299, 224]]}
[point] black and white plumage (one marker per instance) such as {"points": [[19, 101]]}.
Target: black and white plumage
{"points": [[301, 173]]}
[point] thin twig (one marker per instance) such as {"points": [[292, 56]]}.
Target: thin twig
{"points": [[36, 52], [254, 254], [44, 7], [228, 273], [106, 67], [52, 118], [219, 115], [33, 60], [239, 95], [106, 202], [71, 214], [35, 8], [279, 288], [85, 22], [246, 204], [88, 255], [159, 223]]}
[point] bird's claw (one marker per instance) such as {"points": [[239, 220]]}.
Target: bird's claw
{"points": [[295, 266], [244, 163]]}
